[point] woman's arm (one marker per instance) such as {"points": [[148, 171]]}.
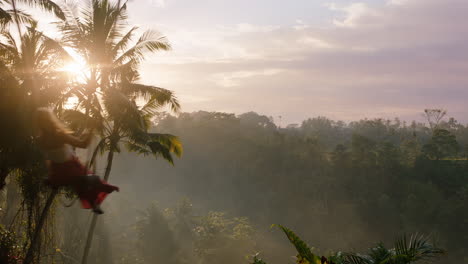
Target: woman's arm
{"points": [[82, 142]]}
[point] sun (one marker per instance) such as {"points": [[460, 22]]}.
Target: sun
{"points": [[74, 67], [76, 70]]}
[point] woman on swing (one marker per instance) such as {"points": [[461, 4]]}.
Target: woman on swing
{"points": [[57, 142]]}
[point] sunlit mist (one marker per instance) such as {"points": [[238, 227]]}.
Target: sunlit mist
{"points": [[233, 132]]}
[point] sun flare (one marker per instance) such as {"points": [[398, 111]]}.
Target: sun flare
{"points": [[75, 69]]}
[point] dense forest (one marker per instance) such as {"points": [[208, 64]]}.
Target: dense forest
{"points": [[341, 186], [368, 191]]}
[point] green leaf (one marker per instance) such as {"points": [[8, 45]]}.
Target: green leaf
{"points": [[302, 248]]}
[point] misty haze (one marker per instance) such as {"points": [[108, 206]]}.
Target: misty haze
{"points": [[255, 132]]}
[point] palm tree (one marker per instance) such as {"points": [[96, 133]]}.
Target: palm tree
{"points": [[30, 62], [111, 98], [405, 251], [28, 66], [26, 71], [34, 60]]}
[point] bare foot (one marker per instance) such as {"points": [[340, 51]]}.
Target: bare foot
{"points": [[97, 209]]}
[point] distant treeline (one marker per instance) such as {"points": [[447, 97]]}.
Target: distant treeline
{"points": [[342, 185]]}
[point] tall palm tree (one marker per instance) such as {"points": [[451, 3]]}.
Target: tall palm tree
{"points": [[28, 65], [25, 72], [17, 57], [100, 37], [31, 63], [112, 98]]}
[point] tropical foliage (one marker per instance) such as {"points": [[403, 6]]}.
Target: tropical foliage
{"points": [[109, 98], [9, 250], [415, 249], [183, 235], [344, 185]]}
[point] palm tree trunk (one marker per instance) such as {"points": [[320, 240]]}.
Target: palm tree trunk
{"points": [[89, 239], [32, 247], [110, 158]]}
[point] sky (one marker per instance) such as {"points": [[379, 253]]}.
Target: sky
{"points": [[342, 59]]}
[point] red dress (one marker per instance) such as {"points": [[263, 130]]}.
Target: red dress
{"points": [[69, 173]]}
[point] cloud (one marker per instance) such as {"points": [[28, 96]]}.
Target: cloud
{"points": [[158, 3], [230, 79], [319, 43], [300, 25], [353, 13], [397, 2], [381, 61], [249, 28]]}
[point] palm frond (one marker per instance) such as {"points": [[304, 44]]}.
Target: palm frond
{"points": [[137, 148], [124, 41], [5, 17], [155, 144], [57, 47], [380, 253], [72, 29], [416, 248], [158, 149], [150, 41], [169, 141], [9, 54], [156, 96], [75, 91], [79, 120], [118, 15], [50, 54], [10, 39], [123, 110], [46, 5], [351, 258]]}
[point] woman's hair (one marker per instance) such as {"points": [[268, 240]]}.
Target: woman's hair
{"points": [[47, 121]]}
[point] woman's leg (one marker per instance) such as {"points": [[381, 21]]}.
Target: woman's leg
{"points": [[85, 186], [94, 182], [92, 191]]}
